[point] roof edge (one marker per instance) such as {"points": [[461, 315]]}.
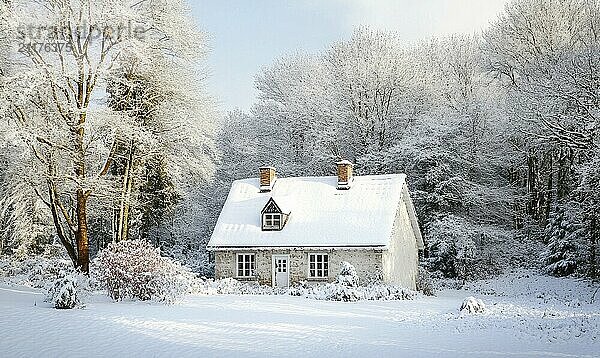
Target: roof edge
{"points": [[412, 216], [311, 247]]}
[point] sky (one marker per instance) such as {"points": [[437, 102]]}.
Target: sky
{"points": [[247, 35]]}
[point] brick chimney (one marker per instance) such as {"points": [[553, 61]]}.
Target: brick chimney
{"points": [[344, 174], [267, 178]]}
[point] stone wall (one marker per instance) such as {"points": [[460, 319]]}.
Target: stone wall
{"points": [[368, 264]]}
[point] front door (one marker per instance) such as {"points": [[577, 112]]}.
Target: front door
{"points": [[281, 275]]}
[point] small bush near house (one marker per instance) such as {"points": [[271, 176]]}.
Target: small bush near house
{"points": [[347, 289], [348, 276], [231, 286], [135, 269], [338, 292], [425, 282]]}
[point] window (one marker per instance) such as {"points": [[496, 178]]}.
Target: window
{"points": [[318, 265], [272, 221], [245, 265]]}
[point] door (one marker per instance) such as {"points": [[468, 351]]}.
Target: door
{"points": [[281, 275]]}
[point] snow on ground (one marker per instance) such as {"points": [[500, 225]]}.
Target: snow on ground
{"points": [[527, 315]]}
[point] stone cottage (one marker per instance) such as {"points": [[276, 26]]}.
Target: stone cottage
{"points": [[279, 231]]}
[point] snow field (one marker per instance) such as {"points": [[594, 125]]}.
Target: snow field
{"points": [[526, 316]]}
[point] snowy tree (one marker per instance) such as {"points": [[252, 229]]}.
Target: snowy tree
{"points": [[546, 52], [588, 194], [375, 79], [293, 114], [351, 100], [71, 134], [562, 252]]}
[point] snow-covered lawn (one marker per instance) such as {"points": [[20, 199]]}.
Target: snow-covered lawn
{"points": [[526, 315]]}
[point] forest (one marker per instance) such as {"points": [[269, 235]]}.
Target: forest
{"points": [[116, 137]]}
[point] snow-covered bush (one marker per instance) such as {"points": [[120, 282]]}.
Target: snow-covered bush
{"points": [[231, 286], [299, 289], [339, 292], [468, 251], [451, 246], [472, 305], [135, 269], [346, 288], [425, 282], [37, 271], [348, 276], [322, 291], [345, 292], [196, 258], [64, 292], [383, 292], [373, 277]]}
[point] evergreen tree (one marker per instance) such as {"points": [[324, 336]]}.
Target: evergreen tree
{"points": [[588, 193], [560, 256]]}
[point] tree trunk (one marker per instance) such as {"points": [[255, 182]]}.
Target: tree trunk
{"points": [[124, 205], [81, 236], [549, 191], [532, 190], [593, 265], [127, 208], [59, 229], [120, 219]]}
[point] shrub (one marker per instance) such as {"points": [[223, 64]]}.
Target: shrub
{"points": [[135, 269], [347, 289], [348, 276], [339, 292], [37, 271], [64, 292], [425, 282], [472, 305], [383, 292]]}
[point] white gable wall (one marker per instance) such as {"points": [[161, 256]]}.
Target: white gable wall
{"points": [[400, 261]]}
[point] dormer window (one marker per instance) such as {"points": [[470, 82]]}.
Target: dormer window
{"points": [[273, 218], [272, 222]]}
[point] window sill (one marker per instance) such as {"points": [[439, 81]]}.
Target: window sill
{"points": [[246, 278], [317, 278]]}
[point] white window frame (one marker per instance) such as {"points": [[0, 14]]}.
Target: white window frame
{"points": [[269, 220], [248, 261], [318, 265]]}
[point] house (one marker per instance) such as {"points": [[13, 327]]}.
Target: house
{"points": [[280, 231]]}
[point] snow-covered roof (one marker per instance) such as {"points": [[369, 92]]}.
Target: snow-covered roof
{"points": [[320, 214]]}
